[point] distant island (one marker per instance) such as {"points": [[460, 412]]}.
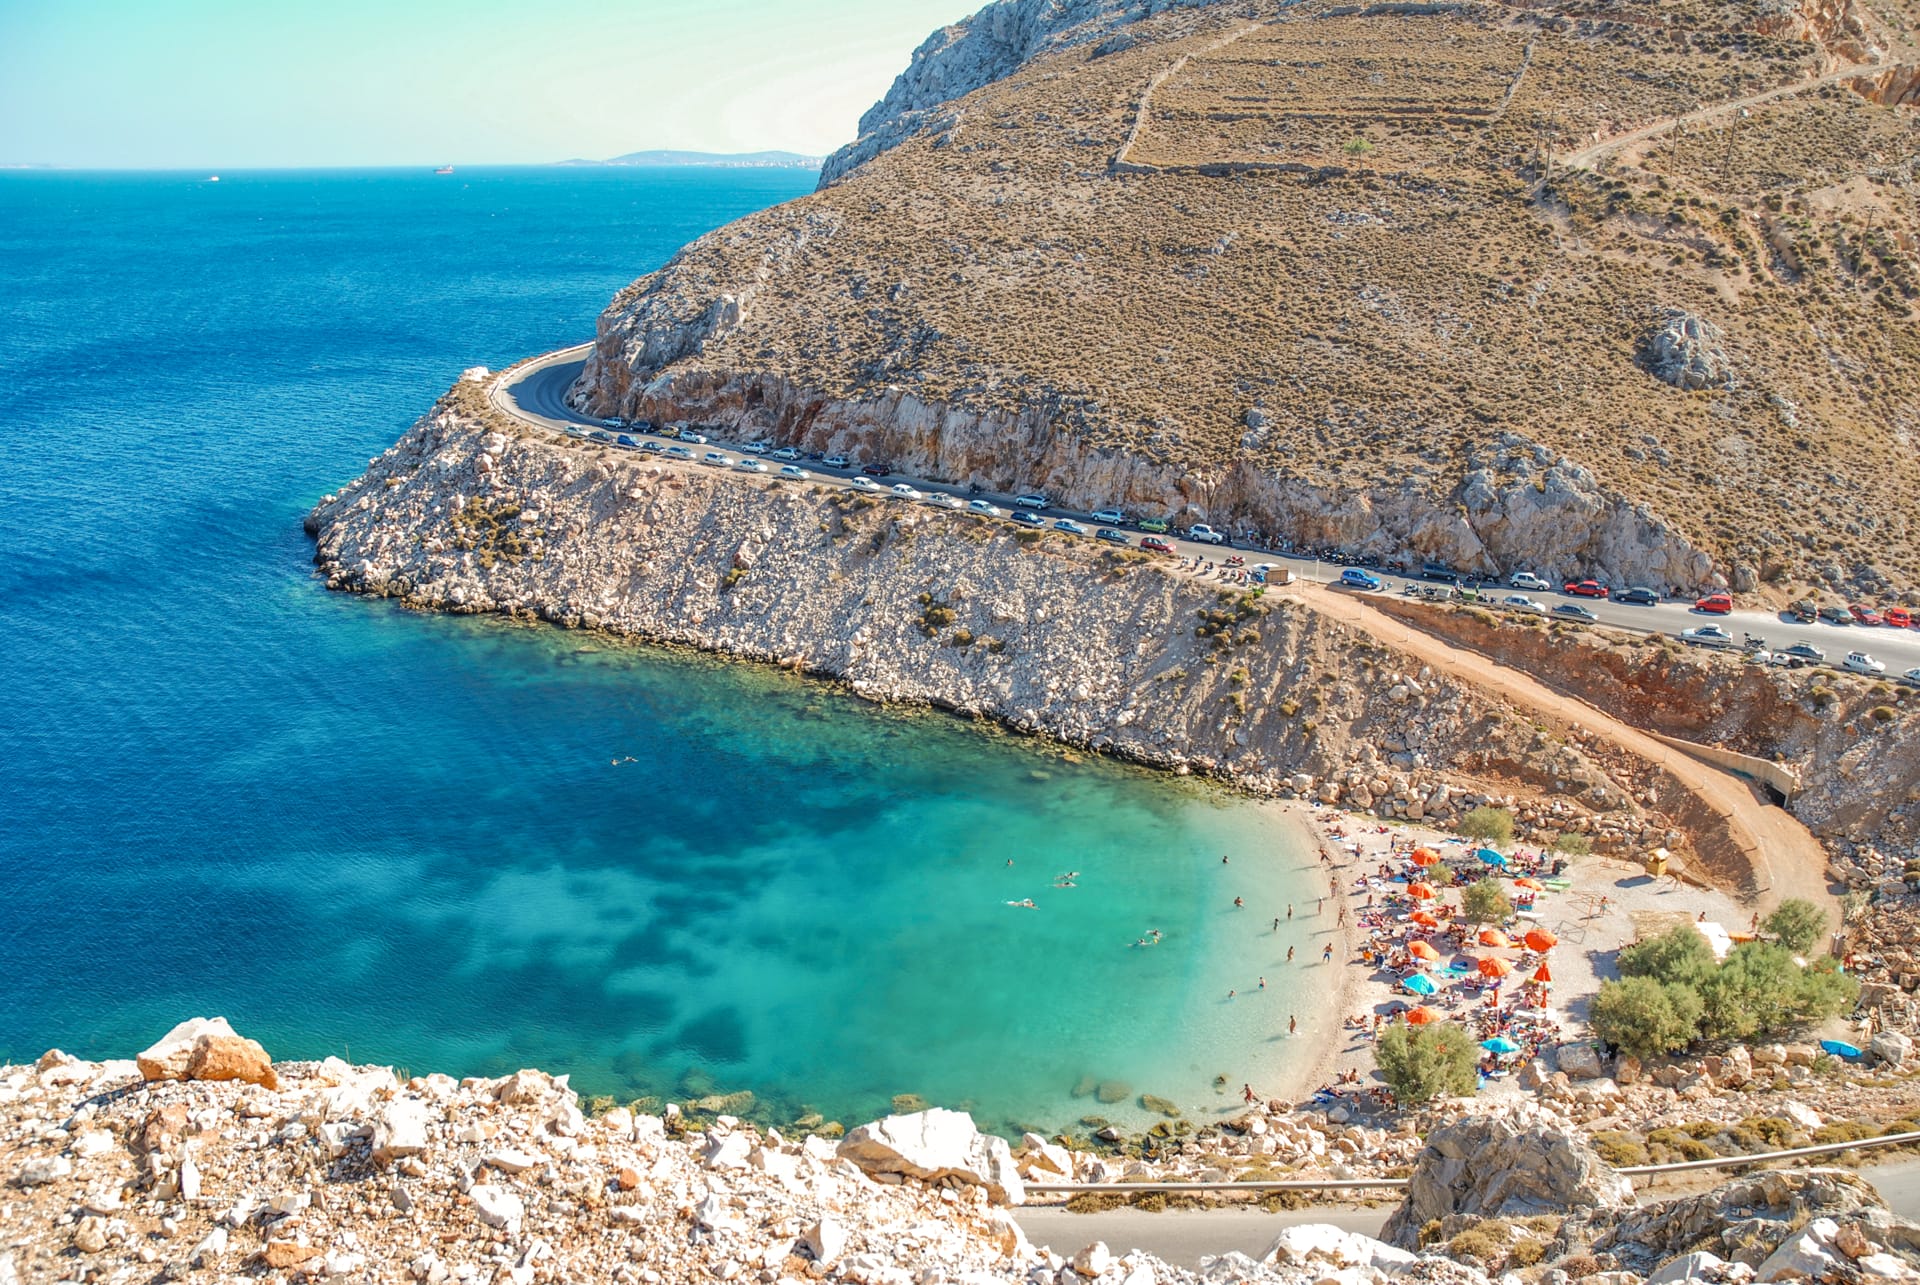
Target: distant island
{"points": [[712, 160]]}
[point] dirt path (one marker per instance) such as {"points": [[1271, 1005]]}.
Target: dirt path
{"points": [[1787, 860], [1590, 157]]}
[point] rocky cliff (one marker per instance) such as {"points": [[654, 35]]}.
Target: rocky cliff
{"points": [[1397, 279]]}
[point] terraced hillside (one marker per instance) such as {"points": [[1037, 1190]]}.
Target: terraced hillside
{"points": [[1622, 288]]}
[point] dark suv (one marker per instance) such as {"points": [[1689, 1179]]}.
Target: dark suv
{"points": [[1638, 594], [1439, 571]]}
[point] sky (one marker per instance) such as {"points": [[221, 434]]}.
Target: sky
{"points": [[160, 84]]}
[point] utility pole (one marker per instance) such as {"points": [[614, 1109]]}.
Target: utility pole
{"points": [[1733, 132]]}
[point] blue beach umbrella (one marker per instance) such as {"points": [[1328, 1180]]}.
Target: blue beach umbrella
{"points": [[1839, 1048], [1421, 984], [1491, 857], [1500, 1044]]}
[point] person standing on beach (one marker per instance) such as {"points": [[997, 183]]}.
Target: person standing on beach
{"points": [[1289, 954], [1289, 912], [1320, 909], [1326, 956], [1293, 1024]]}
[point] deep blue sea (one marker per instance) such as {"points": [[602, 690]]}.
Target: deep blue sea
{"points": [[401, 838]]}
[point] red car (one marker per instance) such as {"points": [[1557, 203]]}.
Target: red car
{"points": [[1898, 617], [1586, 589], [1865, 615], [1714, 604], [1156, 544]]}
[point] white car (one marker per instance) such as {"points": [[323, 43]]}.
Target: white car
{"points": [[1913, 676], [1032, 501], [1528, 580], [1707, 636], [981, 506], [835, 461], [613, 423], [941, 500], [1861, 663], [751, 466], [1205, 534], [1109, 517], [716, 459], [905, 492], [864, 484], [756, 448], [795, 472], [1520, 602], [698, 439], [786, 453]]}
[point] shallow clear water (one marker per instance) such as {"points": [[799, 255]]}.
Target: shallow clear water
{"points": [[399, 837]]}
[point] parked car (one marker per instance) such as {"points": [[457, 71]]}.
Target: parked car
{"points": [[698, 439], [1714, 604], [1836, 615], [786, 453], [601, 435], [1355, 578], [1111, 517], [1912, 676], [1205, 534], [1069, 526], [1865, 615], [795, 472], [1033, 500], [904, 492], [1520, 602], [1155, 544], [1111, 536], [835, 461], [1439, 571], [1638, 594], [654, 445], [613, 423], [751, 466], [627, 441], [1027, 517], [756, 448], [1527, 580], [1708, 636], [1898, 617], [864, 484], [876, 470], [668, 431], [1586, 588], [1803, 611], [1154, 526], [981, 506], [1861, 663], [1575, 610], [1804, 651], [679, 453], [941, 500]]}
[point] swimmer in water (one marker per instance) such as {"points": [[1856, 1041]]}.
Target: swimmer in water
{"points": [[1024, 904], [1239, 903]]}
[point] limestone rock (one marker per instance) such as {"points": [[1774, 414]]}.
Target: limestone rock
{"points": [[498, 1207], [1316, 1245], [934, 1144], [230, 1057], [826, 1240], [1892, 1048], [1580, 1061], [44, 1169], [1745, 1219], [1686, 351], [401, 1130], [169, 1057], [1500, 1166]]}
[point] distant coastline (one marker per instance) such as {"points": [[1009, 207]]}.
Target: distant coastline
{"points": [[660, 159]]}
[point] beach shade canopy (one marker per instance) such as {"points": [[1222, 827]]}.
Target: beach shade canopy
{"points": [[1494, 937], [1421, 1016], [1541, 940], [1491, 857], [1530, 883], [1839, 1048], [1425, 857], [1541, 974], [1423, 950], [1421, 984], [1499, 1044], [1492, 967], [1424, 918], [1420, 891]]}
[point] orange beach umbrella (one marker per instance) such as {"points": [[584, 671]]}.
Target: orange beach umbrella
{"points": [[1541, 974], [1494, 937], [1530, 883], [1420, 891], [1494, 967], [1425, 857], [1423, 950], [1424, 918], [1541, 940], [1421, 1016]]}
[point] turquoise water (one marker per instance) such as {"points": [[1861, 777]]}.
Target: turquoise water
{"points": [[402, 838]]}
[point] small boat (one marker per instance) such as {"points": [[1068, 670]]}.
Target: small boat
{"points": [[444, 169], [213, 178]]}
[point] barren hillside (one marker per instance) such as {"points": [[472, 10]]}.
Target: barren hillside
{"points": [[1621, 288]]}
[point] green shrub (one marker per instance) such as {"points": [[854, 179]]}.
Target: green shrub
{"points": [[1620, 1150], [1491, 826], [1797, 924], [1485, 901], [1421, 1063], [1570, 844], [1644, 1017], [1679, 956]]}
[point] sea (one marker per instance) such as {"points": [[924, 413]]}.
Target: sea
{"points": [[468, 845]]}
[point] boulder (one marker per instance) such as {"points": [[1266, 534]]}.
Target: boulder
{"points": [[498, 1207], [1318, 1245], [230, 1057], [1892, 1048], [401, 1130], [1093, 1260], [826, 1240], [935, 1144], [1807, 1254], [169, 1057], [1580, 1061], [1503, 1167]]}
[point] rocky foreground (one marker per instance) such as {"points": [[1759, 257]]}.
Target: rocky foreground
{"points": [[201, 1159]]}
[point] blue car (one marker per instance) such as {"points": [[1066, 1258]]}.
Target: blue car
{"points": [[1355, 578], [1025, 518]]}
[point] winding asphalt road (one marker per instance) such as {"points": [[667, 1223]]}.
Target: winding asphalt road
{"points": [[1184, 1236], [535, 393]]}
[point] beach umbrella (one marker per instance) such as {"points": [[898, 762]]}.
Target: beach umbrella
{"points": [[1423, 950], [1420, 891], [1491, 857], [1425, 857], [1839, 1048], [1421, 1016], [1424, 918], [1541, 940], [1421, 984], [1499, 1044], [1530, 883], [1494, 937], [1495, 967], [1541, 974]]}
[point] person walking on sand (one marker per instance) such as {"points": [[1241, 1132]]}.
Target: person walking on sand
{"points": [[1293, 1024], [1289, 912], [1326, 956], [1320, 909], [1289, 954]]}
